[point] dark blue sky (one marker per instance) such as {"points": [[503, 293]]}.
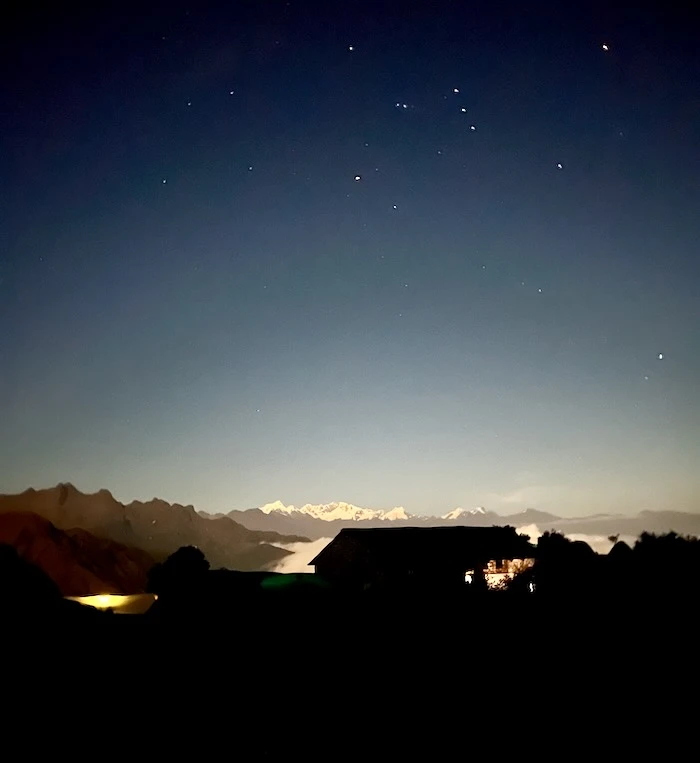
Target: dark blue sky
{"points": [[199, 301]]}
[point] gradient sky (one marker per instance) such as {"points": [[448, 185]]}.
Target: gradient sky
{"points": [[199, 301]]}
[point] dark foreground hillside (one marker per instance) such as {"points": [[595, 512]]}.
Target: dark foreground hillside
{"points": [[256, 667]]}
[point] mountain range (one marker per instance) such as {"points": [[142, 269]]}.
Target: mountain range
{"points": [[78, 562], [156, 527], [326, 520]]}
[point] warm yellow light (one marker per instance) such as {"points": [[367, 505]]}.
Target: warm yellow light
{"points": [[127, 603], [103, 600]]}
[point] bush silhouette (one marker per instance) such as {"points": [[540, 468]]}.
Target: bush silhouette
{"points": [[183, 570]]}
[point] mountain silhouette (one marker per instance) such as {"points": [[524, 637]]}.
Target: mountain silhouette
{"points": [[155, 526], [310, 522], [78, 562]]}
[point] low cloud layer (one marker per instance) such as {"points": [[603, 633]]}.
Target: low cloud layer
{"points": [[599, 543], [302, 554]]}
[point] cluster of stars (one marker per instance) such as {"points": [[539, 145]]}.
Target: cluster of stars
{"points": [[404, 106]]}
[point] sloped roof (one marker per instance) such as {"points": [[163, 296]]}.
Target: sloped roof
{"points": [[428, 544]]}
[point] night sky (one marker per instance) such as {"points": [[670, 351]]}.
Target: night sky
{"points": [[433, 256]]}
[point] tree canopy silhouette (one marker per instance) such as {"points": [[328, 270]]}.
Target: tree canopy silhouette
{"points": [[184, 569]]}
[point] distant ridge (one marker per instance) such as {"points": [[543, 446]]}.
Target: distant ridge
{"points": [[326, 520], [156, 527]]}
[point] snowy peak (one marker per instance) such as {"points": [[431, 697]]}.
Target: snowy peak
{"points": [[339, 510], [278, 507], [460, 512], [398, 513], [336, 510]]}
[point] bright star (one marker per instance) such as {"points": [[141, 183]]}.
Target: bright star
{"points": [[560, 166], [605, 46], [455, 90], [351, 48], [358, 178], [661, 356]]}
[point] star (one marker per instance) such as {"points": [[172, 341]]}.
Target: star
{"points": [[189, 103], [358, 178], [646, 378], [660, 356], [164, 181], [463, 110], [605, 47], [472, 127], [250, 169], [230, 92], [560, 166], [395, 207], [539, 291], [455, 90], [351, 48]]}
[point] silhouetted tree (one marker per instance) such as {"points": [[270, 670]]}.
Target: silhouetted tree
{"points": [[564, 567], [183, 570], [667, 564]]}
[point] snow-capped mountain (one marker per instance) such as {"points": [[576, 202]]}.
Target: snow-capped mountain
{"points": [[337, 510], [348, 511], [459, 513], [277, 507], [315, 521]]}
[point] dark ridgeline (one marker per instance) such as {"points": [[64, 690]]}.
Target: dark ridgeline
{"points": [[394, 668], [366, 578]]}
